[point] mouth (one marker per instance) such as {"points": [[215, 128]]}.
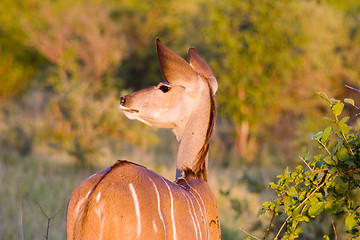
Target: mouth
{"points": [[133, 114], [126, 109]]}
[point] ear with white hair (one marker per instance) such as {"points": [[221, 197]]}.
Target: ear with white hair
{"points": [[201, 67]]}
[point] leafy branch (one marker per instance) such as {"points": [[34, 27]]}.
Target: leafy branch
{"points": [[327, 186]]}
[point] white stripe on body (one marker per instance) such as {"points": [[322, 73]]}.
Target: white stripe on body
{"points": [[99, 211], [98, 197], [193, 207], [203, 204], [192, 213], [172, 210], [159, 206], [137, 208], [87, 195], [155, 227]]}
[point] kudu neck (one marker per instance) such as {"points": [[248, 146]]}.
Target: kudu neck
{"points": [[194, 138]]}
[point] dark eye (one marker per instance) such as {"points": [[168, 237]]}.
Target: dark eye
{"points": [[164, 88]]}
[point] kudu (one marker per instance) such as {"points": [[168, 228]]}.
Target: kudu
{"points": [[129, 201]]}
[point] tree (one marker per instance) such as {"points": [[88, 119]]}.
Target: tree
{"points": [[17, 60], [269, 55], [256, 47], [79, 37]]}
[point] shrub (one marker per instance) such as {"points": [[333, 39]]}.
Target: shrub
{"points": [[328, 183]]}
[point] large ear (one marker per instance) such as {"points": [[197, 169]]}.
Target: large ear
{"points": [[201, 67], [175, 69]]}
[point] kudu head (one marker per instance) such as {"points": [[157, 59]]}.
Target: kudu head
{"points": [[182, 102]]}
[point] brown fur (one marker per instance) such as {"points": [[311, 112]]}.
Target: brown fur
{"points": [[200, 170], [83, 215], [89, 225]]}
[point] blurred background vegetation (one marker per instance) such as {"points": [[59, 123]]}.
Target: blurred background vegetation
{"points": [[64, 65]]}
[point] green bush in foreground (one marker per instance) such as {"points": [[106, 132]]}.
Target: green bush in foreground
{"points": [[328, 183]]}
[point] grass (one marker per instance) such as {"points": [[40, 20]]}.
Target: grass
{"points": [[28, 182], [42, 182]]}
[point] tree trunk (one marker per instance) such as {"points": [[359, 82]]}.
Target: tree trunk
{"points": [[242, 137]]}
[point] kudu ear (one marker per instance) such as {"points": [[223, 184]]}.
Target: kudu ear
{"points": [[174, 68], [200, 66]]}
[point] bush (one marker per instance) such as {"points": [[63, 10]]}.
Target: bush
{"points": [[328, 183]]}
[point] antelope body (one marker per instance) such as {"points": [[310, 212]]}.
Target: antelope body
{"points": [[129, 201]]}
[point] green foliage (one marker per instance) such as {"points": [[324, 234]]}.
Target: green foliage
{"points": [[328, 183], [18, 61], [259, 41]]}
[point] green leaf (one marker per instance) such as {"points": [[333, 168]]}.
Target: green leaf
{"points": [[333, 146], [273, 185], [302, 195], [313, 200], [343, 127], [316, 209], [345, 119], [342, 154], [268, 205], [331, 207], [287, 200], [330, 198], [292, 191], [299, 169], [337, 108], [286, 172], [349, 101], [261, 211], [329, 160], [296, 212], [326, 134], [350, 221], [302, 219], [298, 231]]}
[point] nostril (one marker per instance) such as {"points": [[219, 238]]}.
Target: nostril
{"points": [[122, 100]]}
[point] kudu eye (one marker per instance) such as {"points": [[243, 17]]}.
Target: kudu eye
{"points": [[164, 88]]}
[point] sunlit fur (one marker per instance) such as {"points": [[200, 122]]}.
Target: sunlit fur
{"points": [[129, 201]]}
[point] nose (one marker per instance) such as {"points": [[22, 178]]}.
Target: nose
{"points": [[122, 100]]}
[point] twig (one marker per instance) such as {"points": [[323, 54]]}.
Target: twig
{"points": [[268, 229], [352, 88], [321, 170], [306, 164], [274, 214], [282, 226], [48, 219], [315, 190], [333, 225], [21, 221], [317, 170], [248, 233], [284, 223], [343, 136], [323, 146]]}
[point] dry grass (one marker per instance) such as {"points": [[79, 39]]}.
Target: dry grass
{"points": [[29, 180]]}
